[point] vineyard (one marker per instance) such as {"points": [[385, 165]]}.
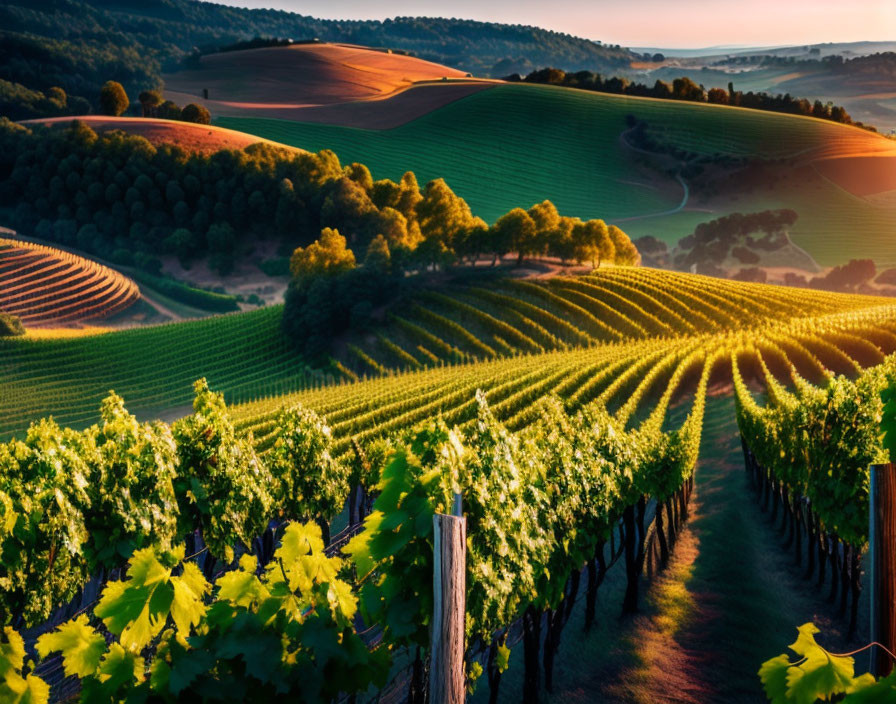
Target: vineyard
{"points": [[809, 453], [47, 287], [512, 317], [516, 339], [544, 404], [153, 367], [200, 480]]}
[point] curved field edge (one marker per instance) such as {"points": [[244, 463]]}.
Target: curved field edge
{"points": [[246, 356], [514, 145], [45, 286]]}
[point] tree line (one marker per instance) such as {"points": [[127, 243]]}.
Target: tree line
{"points": [[686, 89], [77, 45], [330, 293], [121, 198]]}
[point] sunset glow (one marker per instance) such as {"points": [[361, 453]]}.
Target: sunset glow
{"points": [[652, 23]]}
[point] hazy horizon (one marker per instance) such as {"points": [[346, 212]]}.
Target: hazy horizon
{"points": [[692, 24]]}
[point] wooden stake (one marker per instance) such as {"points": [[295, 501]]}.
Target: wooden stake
{"points": [[446, 674], [882, 550]]}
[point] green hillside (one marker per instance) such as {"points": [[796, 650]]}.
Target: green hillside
{"points": [[243, 354], [529, 338], [514, 145]]}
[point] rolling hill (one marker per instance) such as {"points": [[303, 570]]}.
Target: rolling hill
{"points": [[514, 145], [187, 135], [580, 338], [47, 287], [300, 75], [858, 76]]}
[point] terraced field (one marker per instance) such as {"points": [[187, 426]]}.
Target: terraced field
{"points": [[48, 287], [514, 317], [629, 378], [619, 336], [567, 146]]}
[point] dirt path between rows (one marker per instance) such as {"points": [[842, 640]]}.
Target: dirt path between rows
{"points": [[730, 598]]}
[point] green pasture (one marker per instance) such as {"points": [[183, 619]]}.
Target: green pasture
{"points": [[515, 145]]}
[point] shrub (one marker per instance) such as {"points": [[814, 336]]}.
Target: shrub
{"points": [[113, 99], [10, 325], [196, 113]]}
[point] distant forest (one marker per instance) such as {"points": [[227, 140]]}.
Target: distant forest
{"points": [[686, 89], [881, 65], [75, 47]]}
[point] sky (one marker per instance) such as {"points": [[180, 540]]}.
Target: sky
{"points": [[642, 23]]}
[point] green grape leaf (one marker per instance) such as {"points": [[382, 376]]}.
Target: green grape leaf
{"points": [[187, 607], [136, 609], [12, 652], [242, 587], [186, 669], [180, 668], [81, 646], [502, 661], [474, 672], [773, 674], [15, 689], [821, 674], [342, 600], [118, 670], [299, 540], [866, 690]]}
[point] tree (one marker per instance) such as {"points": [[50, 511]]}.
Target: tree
{"points": [[10, 325], [378, 257], [150, 100], [561, 244], [513, 231], [685, 89], [591, 241], [547, 220], [443, 216], [169, 110], [221, 244], [196, 113], [57, 96], [328, 255], [113, 99], [523, 233], [183, 243], [719, 96], [626, 253], [397, 230]]}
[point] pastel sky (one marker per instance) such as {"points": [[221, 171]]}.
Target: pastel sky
{"points": [[663, 23]]}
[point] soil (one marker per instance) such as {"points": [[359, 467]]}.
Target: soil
{"points": [[188, 136], [303, 74], [380, 114]]}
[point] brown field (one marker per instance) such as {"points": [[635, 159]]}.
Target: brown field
{"points": [[47, 287], [337, 84], [862, 176], [189, 136], [386, 114], [303, 75]]}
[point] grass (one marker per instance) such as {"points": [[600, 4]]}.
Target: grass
{"points": [[515, 145]]}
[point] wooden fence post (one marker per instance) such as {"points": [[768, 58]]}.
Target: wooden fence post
{"points": [[882, 550], [446, 674]]}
